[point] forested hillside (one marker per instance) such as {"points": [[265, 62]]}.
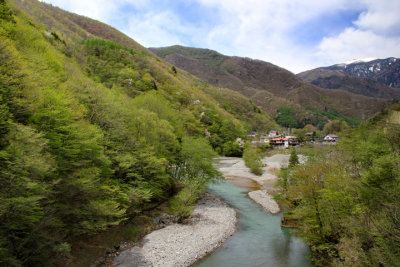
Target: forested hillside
{"points": [[346, 198], [271, 87], [385, 71], [335, 79], [93, 130]]}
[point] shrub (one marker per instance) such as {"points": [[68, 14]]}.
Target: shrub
{"points": [[182, 203], [252, 159]]}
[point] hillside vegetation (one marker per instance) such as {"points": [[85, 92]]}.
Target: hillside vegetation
{"points": [[270, 86], [385, 71], [94, 129], [346, 199], [338, 80]]}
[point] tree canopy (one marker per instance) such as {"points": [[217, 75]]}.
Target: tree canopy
{"points": [[346, 199]]}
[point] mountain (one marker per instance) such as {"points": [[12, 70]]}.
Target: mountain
{"points": [[80, 28], [385, 71], [95, 130], [269, 86], [337, 79]]}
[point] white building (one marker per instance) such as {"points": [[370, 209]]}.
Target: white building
{"points": [[331, 138]]}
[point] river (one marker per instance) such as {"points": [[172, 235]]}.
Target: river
{"points": [[259, 240]]}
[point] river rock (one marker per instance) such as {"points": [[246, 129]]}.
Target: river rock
{"points": [[213, 221], [164, 220], [265, 200]]}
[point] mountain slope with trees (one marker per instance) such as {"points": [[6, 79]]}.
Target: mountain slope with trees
{"points": [[385, 71], [269, 86], [95, 129], [336, 79]]}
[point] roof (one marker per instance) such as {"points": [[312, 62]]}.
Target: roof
{"points": [[280, 139], [332, 135]]}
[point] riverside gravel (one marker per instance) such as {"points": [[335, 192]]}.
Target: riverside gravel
{"points": [[212, 222], [265, 200], [235, 168]]}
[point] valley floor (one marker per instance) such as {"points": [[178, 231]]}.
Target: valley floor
{"points": [[235, 170], [212, 222]]}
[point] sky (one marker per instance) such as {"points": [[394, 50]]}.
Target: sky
{"points": [[294, 34]]}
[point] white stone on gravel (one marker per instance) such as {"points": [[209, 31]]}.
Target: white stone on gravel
{"points": [[213, 221], [265, 200]]}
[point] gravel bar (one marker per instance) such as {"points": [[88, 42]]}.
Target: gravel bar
{"points": [[212, 222], [265, 200]]}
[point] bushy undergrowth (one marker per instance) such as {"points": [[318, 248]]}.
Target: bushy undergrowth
{"points": [[252, 159], [345, 198]]}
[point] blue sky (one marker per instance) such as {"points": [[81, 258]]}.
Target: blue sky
{"points": [[295, 34]]}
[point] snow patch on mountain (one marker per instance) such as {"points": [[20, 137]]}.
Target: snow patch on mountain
{"points": [[354, 61]]}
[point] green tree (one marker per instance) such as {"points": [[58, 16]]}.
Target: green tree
{"points": [[5, 12], [294, 159], [252, 159], [196, 160], [286, 118], [335, 126], [194, 170], [346, 200], [232, 149], [25, 223]]}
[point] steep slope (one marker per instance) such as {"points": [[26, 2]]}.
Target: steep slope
{"points": [[335, 79], [267, 84], [78, 28], [386, 71], [94, 131], [268, 101], [72, 25]]}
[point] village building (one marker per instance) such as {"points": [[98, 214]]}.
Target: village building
{"points": [[252, 136], [264, 139], [332, 138], [284, 141], [272, 134]]}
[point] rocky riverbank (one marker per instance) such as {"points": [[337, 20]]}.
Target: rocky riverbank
{"points": [[265, 200], [235, 170], [212, 222]]}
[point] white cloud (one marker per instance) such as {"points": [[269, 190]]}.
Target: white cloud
{"points": [[382, 17], [91, 8], [358, 44], [261, 29], [157, 29], [102, 10], [375, 34]]}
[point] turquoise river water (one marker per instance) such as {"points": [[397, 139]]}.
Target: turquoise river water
{"points": [[259, 240]]}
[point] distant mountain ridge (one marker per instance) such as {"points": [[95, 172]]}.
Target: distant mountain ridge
{"points": [[336, 79], [268, 86], [386, 71]]}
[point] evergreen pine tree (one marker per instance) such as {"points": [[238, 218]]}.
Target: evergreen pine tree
{"points": [[294, 159]]}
